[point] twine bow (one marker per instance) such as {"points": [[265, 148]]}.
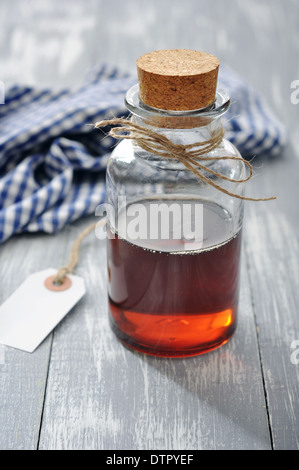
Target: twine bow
{"points": [[191, 156]]}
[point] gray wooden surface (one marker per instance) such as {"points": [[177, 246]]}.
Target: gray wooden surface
{"points": [[81, 389]]}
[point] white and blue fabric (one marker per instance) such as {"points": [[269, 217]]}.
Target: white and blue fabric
{"points": [[53, 161]]}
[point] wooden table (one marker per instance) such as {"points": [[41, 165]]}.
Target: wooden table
{"points": [[81, 389]]}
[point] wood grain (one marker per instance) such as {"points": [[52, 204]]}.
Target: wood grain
{"points": [[103, 396], [272, 249], [81, 389], [23, 375]]}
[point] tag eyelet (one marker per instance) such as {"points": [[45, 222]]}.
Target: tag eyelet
{"points": [[56, 287]]}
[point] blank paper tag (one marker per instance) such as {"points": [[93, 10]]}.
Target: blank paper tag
{"points": [[33, 311]]}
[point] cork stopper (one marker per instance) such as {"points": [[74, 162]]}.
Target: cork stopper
{"points": [[178, 79]]}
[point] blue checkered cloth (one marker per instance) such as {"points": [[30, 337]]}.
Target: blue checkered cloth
{"points": [[53, 161]]}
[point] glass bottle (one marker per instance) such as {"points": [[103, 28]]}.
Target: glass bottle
{"points": [[174, 241]]}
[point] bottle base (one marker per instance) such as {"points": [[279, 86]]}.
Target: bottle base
{"points": [[168, 347]]}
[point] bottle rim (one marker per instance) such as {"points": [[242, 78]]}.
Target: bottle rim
{"points": [[138, 108]]}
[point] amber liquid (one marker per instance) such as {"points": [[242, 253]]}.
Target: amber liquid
{"points": [[169, 302]]}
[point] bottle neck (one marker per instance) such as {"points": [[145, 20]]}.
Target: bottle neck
{"points": [[181, 127], [179, 132]]}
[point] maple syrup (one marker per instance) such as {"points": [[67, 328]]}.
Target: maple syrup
{"points": [[167, 299]]}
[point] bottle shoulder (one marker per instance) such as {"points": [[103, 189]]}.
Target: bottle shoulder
{"points": [[134, 173], [127, 155]]}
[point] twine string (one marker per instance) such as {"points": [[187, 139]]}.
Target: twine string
{"points": [[74, 255], [191, 156]]}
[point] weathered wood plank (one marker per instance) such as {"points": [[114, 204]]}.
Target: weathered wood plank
{"points": [[101, 395], [23, 375], [272, 246]]}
